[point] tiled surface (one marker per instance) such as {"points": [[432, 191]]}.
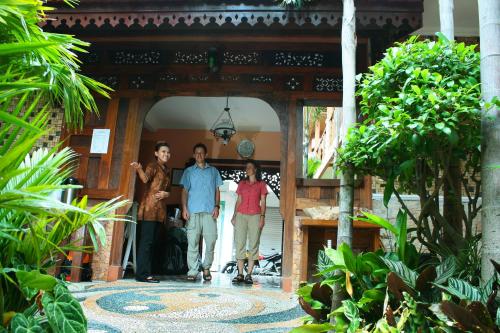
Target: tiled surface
{"points": [[175, 305], [54, 127]]}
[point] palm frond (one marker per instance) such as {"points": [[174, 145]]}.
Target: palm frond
{"points": [[37, 60]]}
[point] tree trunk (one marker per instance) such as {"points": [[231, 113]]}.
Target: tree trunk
{"points": [[446, 18], [344, 233], [452, 196], [346, 205], [489, 32], [346, 195]]}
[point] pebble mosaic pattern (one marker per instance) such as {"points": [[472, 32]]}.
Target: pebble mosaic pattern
{"points": [[174, 306]]}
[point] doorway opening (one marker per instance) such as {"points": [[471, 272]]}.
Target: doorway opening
{"points": [[183, 121]]}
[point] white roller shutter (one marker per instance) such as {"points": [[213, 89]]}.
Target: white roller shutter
{"points": [[272, 234]]}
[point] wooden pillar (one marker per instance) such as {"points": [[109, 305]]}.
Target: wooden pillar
{"points": [[137, 108], [289, 191], [103, 183], [302, 142]]}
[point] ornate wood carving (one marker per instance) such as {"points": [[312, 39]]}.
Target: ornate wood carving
{"points": [[327, 84], [155, 16], [294, 83], [270, 176], [190, 57], [109, 80], [136, 57], [299, 59], [242, 58]]}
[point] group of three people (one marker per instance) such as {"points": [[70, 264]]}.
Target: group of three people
{"points": [[200, 208]]}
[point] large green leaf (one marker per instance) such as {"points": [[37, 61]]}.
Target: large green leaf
{"points": [[406, 274], [305, 291], [63, 311], [402, 234], [36, 280], [21, 324], [325, 265], [445, 270], [389, 189], [335, 256], [464, 290], [313, 328], [10, 119], [349, 257], [377, 220], [351, 311], [9, 49]]}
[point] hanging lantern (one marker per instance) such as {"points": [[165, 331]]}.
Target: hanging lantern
{"points": [[223, 128]]}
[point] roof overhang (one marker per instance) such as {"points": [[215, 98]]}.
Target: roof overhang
{"points": [[174, 16]]}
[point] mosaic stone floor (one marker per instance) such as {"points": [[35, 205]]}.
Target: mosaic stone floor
{"points": [[175, 305]]}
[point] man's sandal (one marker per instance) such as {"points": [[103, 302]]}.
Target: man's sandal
{"points": [[207, 276], [191, 278], [248, 279], [238, 278]]}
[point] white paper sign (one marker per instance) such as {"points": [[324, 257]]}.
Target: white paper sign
{"points": [[100, 141]]}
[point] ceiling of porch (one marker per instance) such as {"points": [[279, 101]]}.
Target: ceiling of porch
{"points": [[185, 112]]}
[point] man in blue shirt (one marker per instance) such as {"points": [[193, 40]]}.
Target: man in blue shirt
{"points": [[200, 208]]}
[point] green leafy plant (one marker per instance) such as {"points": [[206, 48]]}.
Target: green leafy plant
{"points": [[39, 70], [421, 134], [360, 276], [396, 291], [312, 165], [404, 249]]}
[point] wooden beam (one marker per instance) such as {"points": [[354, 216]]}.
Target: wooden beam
{"points": [[304, 254], [225, 70], [334, 224], [310, 39], [365, 195], [302, 203], [100, 194], [325, 162], [105, 162], [289, 191], [130, 150], [318, 182]]}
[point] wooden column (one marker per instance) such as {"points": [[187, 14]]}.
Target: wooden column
{"points": [[289, 191], [137, 108], [105, 162], [301, 166]]}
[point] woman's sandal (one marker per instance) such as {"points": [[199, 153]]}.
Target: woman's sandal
{"points": [[238, 278], [149, 279], [248, 279], [207, 276], [191, 278]]}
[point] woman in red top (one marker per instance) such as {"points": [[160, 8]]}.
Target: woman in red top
{"points": [[249, 219]]}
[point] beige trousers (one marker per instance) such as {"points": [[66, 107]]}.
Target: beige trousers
{"points": [[200, 224], [247, 227]]}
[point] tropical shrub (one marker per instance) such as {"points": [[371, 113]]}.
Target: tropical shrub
{"points": [[39, 70], [382, 294], [421, 106]]}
